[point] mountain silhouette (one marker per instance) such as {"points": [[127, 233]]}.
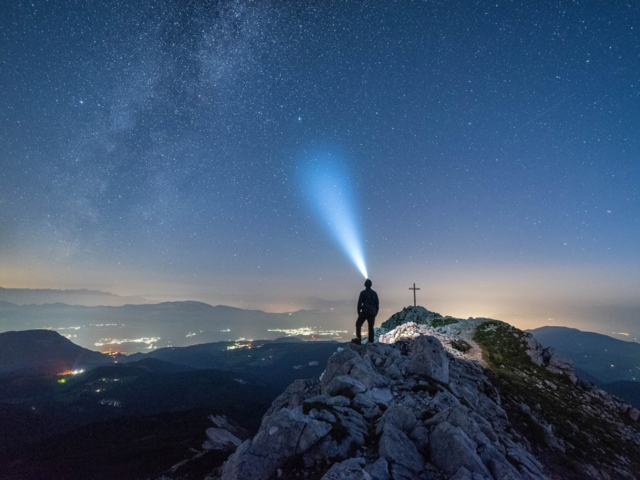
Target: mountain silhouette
{"points": [[29, 296], [163, 324], [44, 352], [602, 357]]}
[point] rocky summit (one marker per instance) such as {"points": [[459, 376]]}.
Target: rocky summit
{"points": [[443, 398]]}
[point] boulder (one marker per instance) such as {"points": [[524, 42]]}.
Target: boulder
{"points": [[499, 467], [348, 433], [220, 439], [459, 417], [450, 448], [379, 470], [339, 401], [293, 395], [468, 394], [560, 366], [394, 372], [444, 399], [323, 415], [534, 350], [282, 435], [396, 448], [354, 422], [379, 352], [340, 363], [399, 417], [429, 358], [420, 436], [485, 427], [545, 357], [367, 374], [366, 406], [400, 472], [343, 385], [439, 417], [349, 362], [348, 470], [379, 396], [465, 474], [225, 435], [243, 464], [527, 464]]}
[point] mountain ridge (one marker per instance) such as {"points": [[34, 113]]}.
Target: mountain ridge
{"points": [[44, 352], [606, 358], [165, 324], [82, 296], [445, 398]]}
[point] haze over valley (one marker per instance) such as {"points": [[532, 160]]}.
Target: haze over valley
{"points": [[123, 327]]}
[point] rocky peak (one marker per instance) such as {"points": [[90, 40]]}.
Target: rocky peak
{"points": [[442, 398]]}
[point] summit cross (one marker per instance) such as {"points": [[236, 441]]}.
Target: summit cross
{"points": [[414, 293]]}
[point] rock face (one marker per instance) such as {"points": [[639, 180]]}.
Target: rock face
{"points": [[358, 415], [452, 449], [429, 359], [420, 408], [224, 435], [545, 357], [417, 315]]}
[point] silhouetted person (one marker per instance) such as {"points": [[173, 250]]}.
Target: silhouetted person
{"points": [[368, 306]]}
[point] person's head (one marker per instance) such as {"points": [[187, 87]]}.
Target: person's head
{"points": [[368, 283]]}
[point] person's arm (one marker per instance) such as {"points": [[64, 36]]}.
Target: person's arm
{"points": [[377, 303], [360, 302]]}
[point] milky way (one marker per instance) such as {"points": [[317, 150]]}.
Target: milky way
{"points": [[156, 147]]}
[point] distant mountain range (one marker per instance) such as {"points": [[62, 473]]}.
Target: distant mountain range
{"points": [[136, 328], [612, 364], [604, 358], [29, 296], [44, 352]]}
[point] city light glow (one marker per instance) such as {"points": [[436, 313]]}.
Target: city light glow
{"points": [[118, 341], [240, 343], [291, 332]]}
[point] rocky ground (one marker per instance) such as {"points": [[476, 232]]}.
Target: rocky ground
{"points": [[441, 398]]}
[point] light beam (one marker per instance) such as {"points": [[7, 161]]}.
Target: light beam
{"points": [[330, 193]]}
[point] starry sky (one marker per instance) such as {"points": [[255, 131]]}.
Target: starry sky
{"points": [[491, 150]]}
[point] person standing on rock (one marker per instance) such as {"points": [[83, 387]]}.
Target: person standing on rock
{"points": [[368, 306]]}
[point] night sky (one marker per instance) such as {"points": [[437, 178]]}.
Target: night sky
{"points": [[491, 149]]}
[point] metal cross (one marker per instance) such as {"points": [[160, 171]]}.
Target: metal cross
{"points": [[414, 293]]}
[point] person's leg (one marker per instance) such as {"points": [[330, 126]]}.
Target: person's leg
{"points": [[371, 321], [359, 322]]}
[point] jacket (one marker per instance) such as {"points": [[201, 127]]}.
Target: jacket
{"points": [[368, 303]]}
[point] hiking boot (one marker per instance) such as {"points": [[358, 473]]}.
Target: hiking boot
{"points": [[357, 341]]}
